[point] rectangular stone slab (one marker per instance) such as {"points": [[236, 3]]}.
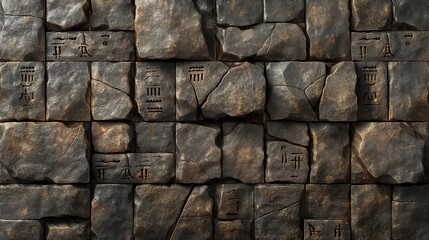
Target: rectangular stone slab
{"points": [[21, 229]]}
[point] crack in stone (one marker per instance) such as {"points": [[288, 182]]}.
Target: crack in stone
{"points": [[270, 39], [288, 206], [381, 15], [16, 15], [173, 227], [117, 89], [111, 212]]}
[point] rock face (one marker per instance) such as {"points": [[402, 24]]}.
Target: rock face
{"points": [[112, 15], [327, 201], [155, 137], [234, 201], [233, 229], [326, 229], [388, 153], [411, 13], [111, 137], [21, 229], [239, 12], [265, 41], [284, 10], [67, 15], [160, 28], [51, 152], [35, 8], [68, 230], [368, 15], [292, 132]]}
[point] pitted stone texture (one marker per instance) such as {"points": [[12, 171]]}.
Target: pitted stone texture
{"points": [[35, 152], [265, 41], [409, 85], [326, 229], [388, 153], [68, 92], [35, 8], [110, 90], [112, 212], [330, 153], [327, 201], [277, 210], [233, 229], [157, 209], [239, 12], [198, 156], [243, 152], [371, 211], [411, 14], [111, 137], [67, 230], [284, 10], [293, 132], [22, 91], [415, 193], [21, 230], [327, 23], [42, 201], [155, 137], [112, 15], [161, 24], [294, 89], [369, 15], [241, 90], [67, 14], [234, 201]]}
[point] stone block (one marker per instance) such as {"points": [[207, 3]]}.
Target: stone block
{"points": [[155, 137], [67, 229], [234, 201], [327, 201], [112, 15], [21, 229], [34, 8], [112, 137], [369, 15], [412, 14], [284, 10], [67, 14], [239, 12], [233, 229]]}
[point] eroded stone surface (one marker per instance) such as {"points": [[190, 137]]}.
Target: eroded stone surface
{"points": [[327, 201], [67, 230], [233, 229], [234, 201], [413, 14], [111, 137], [239, 12], [369, 15], [35, 8], [284, 10], [112, 15], [155, 137], [21, 229], [67, 14], [326, 229], [293, 132]]}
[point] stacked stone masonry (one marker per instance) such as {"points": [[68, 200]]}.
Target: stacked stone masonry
{"points": [[214, 119]]}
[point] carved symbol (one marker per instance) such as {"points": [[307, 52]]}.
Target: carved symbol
{"points": [[105, 36], [236, 201], [370, 98], [313, 231], [387, 49], [27, 79], [126, 172], [101, 173], [363, 52], [57, 52], [83, 47], [196, 73], [284, 154], [153, 91], [338, 230], [297, 159]]}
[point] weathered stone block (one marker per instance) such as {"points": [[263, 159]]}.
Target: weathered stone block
{"points": [[111, 137], [21, 230], [293, 132], [412, 14], [239, 12], [284, 10], [155, 137], [369, 15], [234, 201], [35, 8], [67, 14], [233, 229], [327, 201], [326, 229], [67, 230], [112, 15]]}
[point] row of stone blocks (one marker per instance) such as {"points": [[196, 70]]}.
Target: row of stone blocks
{"points": [[219, 211]]}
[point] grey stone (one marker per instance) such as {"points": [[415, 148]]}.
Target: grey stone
{"points": [[330, 153], [155, 137], [413, 14], [22, 91], [112, 212], [195, 221], [327, 201], [51, 152], [277, 211], [243, 152], [198, 156], [155, 90], [110, 90], [408, 102], [294, 89], [390, 46], [67, 14], [372, 91], [112, 15], [35, 8], [90, 46], [21, 230], [233, 229], [284, 10], [293, 132], [111, 137], [67, 230], [414, 193], [42, 201], [161, 24], [239, 12], [327, 23], [157, 209], [370, 212], [326, 229], [68, 92], [387, 153], [410, 220], [234, 201], [369, 15], [339, 101], [242, 90], [133, 168], [194, 82], [265, 41]]}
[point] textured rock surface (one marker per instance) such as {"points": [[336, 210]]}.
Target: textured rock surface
{"points": [[284, 10], [42, 201], [370, 212], [112, 15], [292, 132], [339, 101], [265, 41], [198, 156], [35, 8], [160, 27], [111, 137], [21, 230], [413, 14], [327, 23], [112, 212], [327, 201], [387, 153], [294, 89], [67, 230], [326, 229], [243, 152], [239, 12], [233, 229], [37, 152], [68, 92], [155, 137], [67, 14], [369, 15], [234, 201]]}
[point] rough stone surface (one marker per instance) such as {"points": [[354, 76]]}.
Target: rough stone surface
{"points": [[243, 152], [234, 201], [330, 153], [112, 212], [43, 152], [42, 201], [239, 12], [110, 90], [67, 230], [327, 23], [326, 229], [327, 201], [284, 10], [292, 132], [21, 230], [68, 92], [233, 229], [111, 137], [370, 212], [155, 137], [67, 14], [160, 27], [294, 89], [416, 193], [35, 8], [198, 156], [369, 15], [112, 15], [339, 101], [265, 41], [413, 14]]}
